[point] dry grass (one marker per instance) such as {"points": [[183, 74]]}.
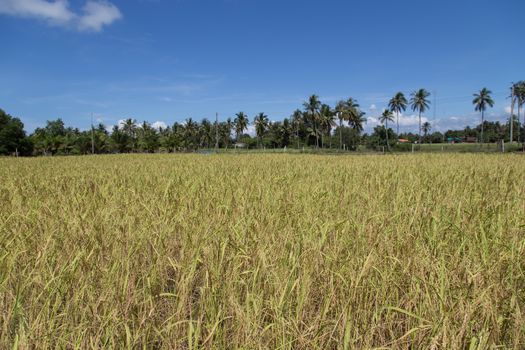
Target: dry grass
{"points": [[263, 252]]}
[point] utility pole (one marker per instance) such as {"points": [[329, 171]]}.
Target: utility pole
{"points": [[216, 131], [511, 113], [92, 136]]}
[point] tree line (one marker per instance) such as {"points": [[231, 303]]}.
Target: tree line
{"points": [[315, 125]]}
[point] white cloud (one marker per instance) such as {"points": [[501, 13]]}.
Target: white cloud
{"points": [[404, 120], [158, 124], [250, 130], [372, 107], [121, 123], [411, 120], [95, 13], [57, 12]]}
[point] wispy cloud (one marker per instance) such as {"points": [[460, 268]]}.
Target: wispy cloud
{"points": [[95, 14]]}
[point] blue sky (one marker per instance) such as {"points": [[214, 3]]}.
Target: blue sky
{"points": [[167, 60]]}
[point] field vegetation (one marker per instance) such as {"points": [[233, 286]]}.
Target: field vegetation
{"points": [[263, 251]]}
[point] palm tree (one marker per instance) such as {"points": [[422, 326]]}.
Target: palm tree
{"points": [[348, 111], [297, 119], [190, 133], [398, 104], [519, 93], [129, 127], [261, 124], [241, 123], [206, 131], [385, 118], [426, 129], [481, 101], [419, 102], [229, 126], [312, 108], [326, 121], [356, 122], [340, 109]]}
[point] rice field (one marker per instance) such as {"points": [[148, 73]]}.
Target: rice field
{"points": [[263, 251]]}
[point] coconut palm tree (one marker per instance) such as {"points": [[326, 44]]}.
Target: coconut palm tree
{"points": [[348, 111], [312, 108], [241, 124], [340, 110], [519, 93], [129, 127], [297, 120], [481, 101], [398, 104], [326, 121], [385, 118], [190, 133], [356, 122], [261, 125], [426, 129], [420, 103]]}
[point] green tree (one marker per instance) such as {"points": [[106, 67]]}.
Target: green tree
{"points": [[206, 133], [297, 123], [386, 117], [426, 129], [190, 132], [129, 127], [519, 93], [261, 123], [241, 123], [148, 138], [356, 122], [326, 122], [312, 111], [13, 138], [481, 101], [349, 112], [50, 139], [120, 140], [420, 103], [398, 104]]}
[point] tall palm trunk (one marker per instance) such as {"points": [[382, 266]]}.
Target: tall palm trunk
{"points": [[297, 136], [523, 124], [397, 121], [420, 128], [482, 122], [340, 133], [316, 136], [386, 131]]}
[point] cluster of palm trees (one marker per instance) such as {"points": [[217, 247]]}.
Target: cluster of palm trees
{"points": [[320, 118], [316, 121], [419, 102]]}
